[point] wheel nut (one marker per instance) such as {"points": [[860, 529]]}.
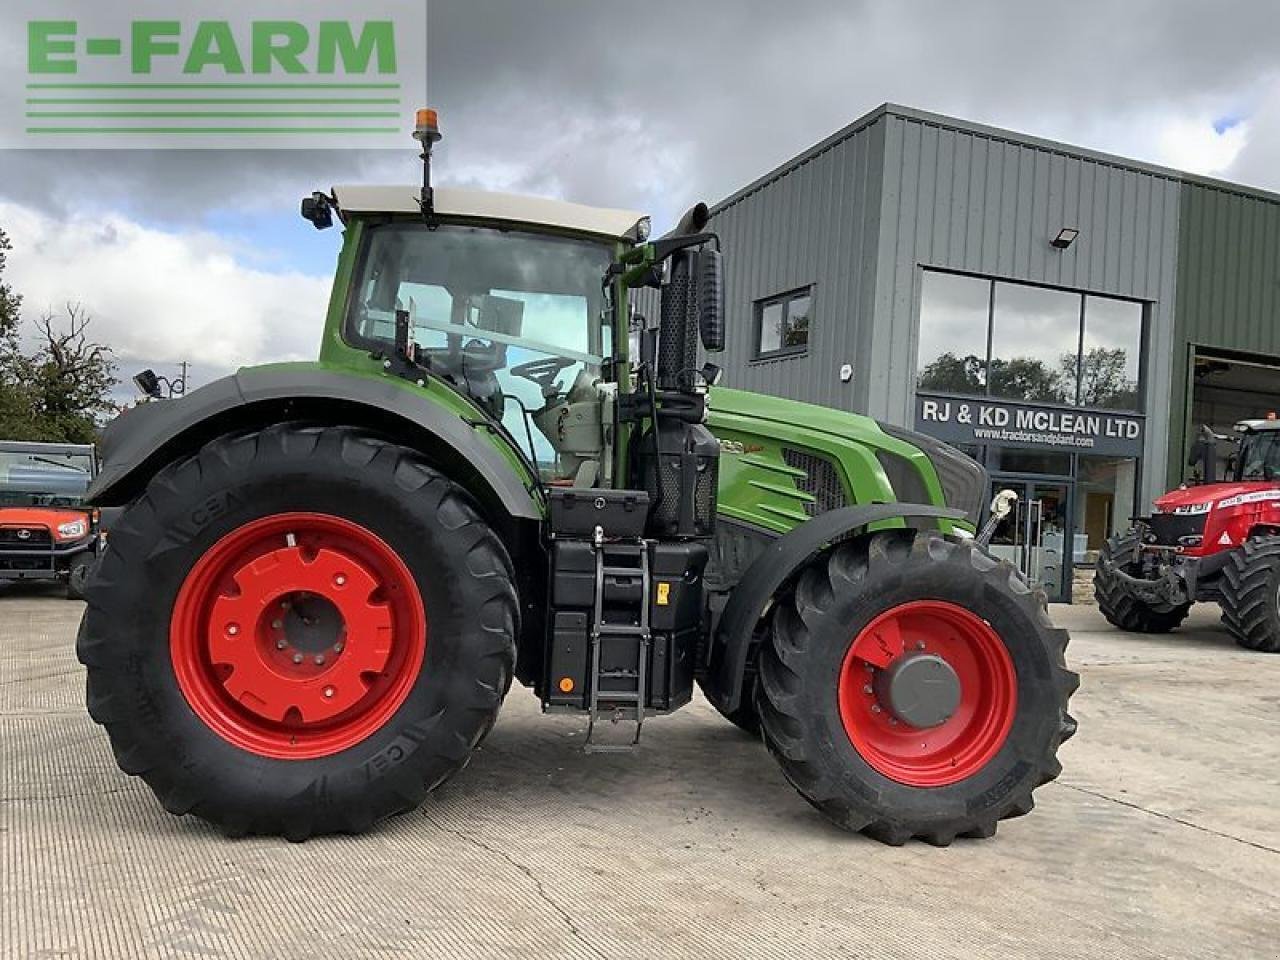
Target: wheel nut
{"points": [[337, 647], [276, 624], [328, 692], [319, 659], [297, 658], [867, 688], [875, 708], [280, 644], [919, 644], [340, 579], [232, 629]]}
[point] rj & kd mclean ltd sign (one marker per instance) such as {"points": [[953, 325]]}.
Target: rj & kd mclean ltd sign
{"points": [[149, 74], [983, 421]]}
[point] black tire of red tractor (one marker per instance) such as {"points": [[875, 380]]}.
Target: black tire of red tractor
{"points": [[78, 575], [812, 628], [460, 567], [1251, 594], [1115, 601]]}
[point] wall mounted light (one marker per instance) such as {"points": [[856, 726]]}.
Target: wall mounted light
{"points": [[1066, 236]]}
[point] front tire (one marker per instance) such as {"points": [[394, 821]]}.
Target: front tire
{"points": [[1115, 601], [1251, 594], [889, 603], [297, 631], [78, 575]]}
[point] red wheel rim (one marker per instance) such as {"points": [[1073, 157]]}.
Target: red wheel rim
{"points": [[964, 743], [297, 635]]}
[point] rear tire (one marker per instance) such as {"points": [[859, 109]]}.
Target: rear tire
{"points": [[810, 669], [1251, 594], [1121, 608], [429, 686]]}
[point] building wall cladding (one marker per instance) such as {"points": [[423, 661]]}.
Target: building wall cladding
{"points": [[862, 214], [816, 222], [1228, 287]]}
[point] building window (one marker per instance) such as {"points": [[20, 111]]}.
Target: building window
{"points": [[783, 323], [1035, 342], [954, 318], [1014, 341], [1109, 354]]}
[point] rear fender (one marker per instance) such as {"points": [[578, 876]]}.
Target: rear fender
{"points": [[774, 567], [143, 440]]}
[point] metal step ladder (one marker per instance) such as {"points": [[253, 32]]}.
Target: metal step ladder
{"points": [[623, 699]]}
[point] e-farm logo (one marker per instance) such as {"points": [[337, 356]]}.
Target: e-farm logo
{"points": [[107, 79]]}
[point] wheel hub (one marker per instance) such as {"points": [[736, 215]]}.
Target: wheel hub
{"points": [[919, 689], [927, 693], [297, 635]]}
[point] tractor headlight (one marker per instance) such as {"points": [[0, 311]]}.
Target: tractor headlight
{"points": [[72, 528], [643, 227]]}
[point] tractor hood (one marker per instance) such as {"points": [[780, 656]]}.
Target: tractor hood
{"points": [[1212, 493]]}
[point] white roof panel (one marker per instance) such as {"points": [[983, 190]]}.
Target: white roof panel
{"points": [[481, 205]]}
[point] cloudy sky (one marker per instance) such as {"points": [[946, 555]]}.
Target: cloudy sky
{"points": [[200, 255]]}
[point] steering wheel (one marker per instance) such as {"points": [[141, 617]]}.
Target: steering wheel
{"points": [[543, 372]]}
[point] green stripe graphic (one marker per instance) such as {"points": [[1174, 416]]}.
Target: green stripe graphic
{"points": [[249, 130], [212, 85], [197, 114], [245, 100]]}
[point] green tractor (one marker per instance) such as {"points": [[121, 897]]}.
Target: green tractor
{"points": [[326, 575]]}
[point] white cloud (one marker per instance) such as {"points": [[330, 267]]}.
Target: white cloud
{"points": [[1195, 145], [158, 297]]}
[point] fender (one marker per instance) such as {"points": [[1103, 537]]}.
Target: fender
{"points": [[771, 569], [140, 441]]}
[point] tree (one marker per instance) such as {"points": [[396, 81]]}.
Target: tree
{"points": [[1102, 378], [952, 374], [1025, 378], [61, 391]]}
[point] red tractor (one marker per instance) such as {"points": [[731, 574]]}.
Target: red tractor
{"points": [[1211, 540]]}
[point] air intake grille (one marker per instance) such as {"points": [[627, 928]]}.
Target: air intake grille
{"points": [[821, 481]]}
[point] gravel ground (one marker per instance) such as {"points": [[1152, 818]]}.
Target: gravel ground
{"points": [[1161, 839]]}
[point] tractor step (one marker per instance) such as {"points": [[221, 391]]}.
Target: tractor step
{"points": [[618, 693]]}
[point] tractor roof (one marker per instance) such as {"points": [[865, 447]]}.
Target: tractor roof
{"points": [[480, 205], [1257, 426]]}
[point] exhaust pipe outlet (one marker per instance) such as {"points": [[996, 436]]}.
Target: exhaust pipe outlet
{"points": [[695, 220]]}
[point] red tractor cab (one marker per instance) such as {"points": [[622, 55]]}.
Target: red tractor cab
{"points": [[46, 530], [1211, 540]]}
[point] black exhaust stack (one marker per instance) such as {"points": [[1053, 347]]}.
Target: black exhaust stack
{"points": [[677, 456]]}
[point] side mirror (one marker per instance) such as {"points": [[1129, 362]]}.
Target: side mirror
{"points": [[711, 298]]}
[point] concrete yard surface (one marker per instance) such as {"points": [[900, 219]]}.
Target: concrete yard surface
{"points": [[1161, 839]]}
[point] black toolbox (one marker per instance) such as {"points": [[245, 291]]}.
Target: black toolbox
{"points": [[577, 512]]}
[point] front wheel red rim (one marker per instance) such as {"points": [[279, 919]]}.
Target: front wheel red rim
{"points": [[297, 635], [954, 749]]}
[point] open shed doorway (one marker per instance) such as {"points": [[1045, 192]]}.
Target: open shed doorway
{"points": [[1227, 389]]}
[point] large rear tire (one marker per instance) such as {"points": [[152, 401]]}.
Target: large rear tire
{"points": [[297, 631], [1118, 604], [891, 613], [1251, 594]]}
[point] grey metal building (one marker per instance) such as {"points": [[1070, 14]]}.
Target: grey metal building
{"points": [[1064, 315]]}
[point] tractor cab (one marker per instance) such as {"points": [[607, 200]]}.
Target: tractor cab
{"points": [[499, 301], [1258, 459]]}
